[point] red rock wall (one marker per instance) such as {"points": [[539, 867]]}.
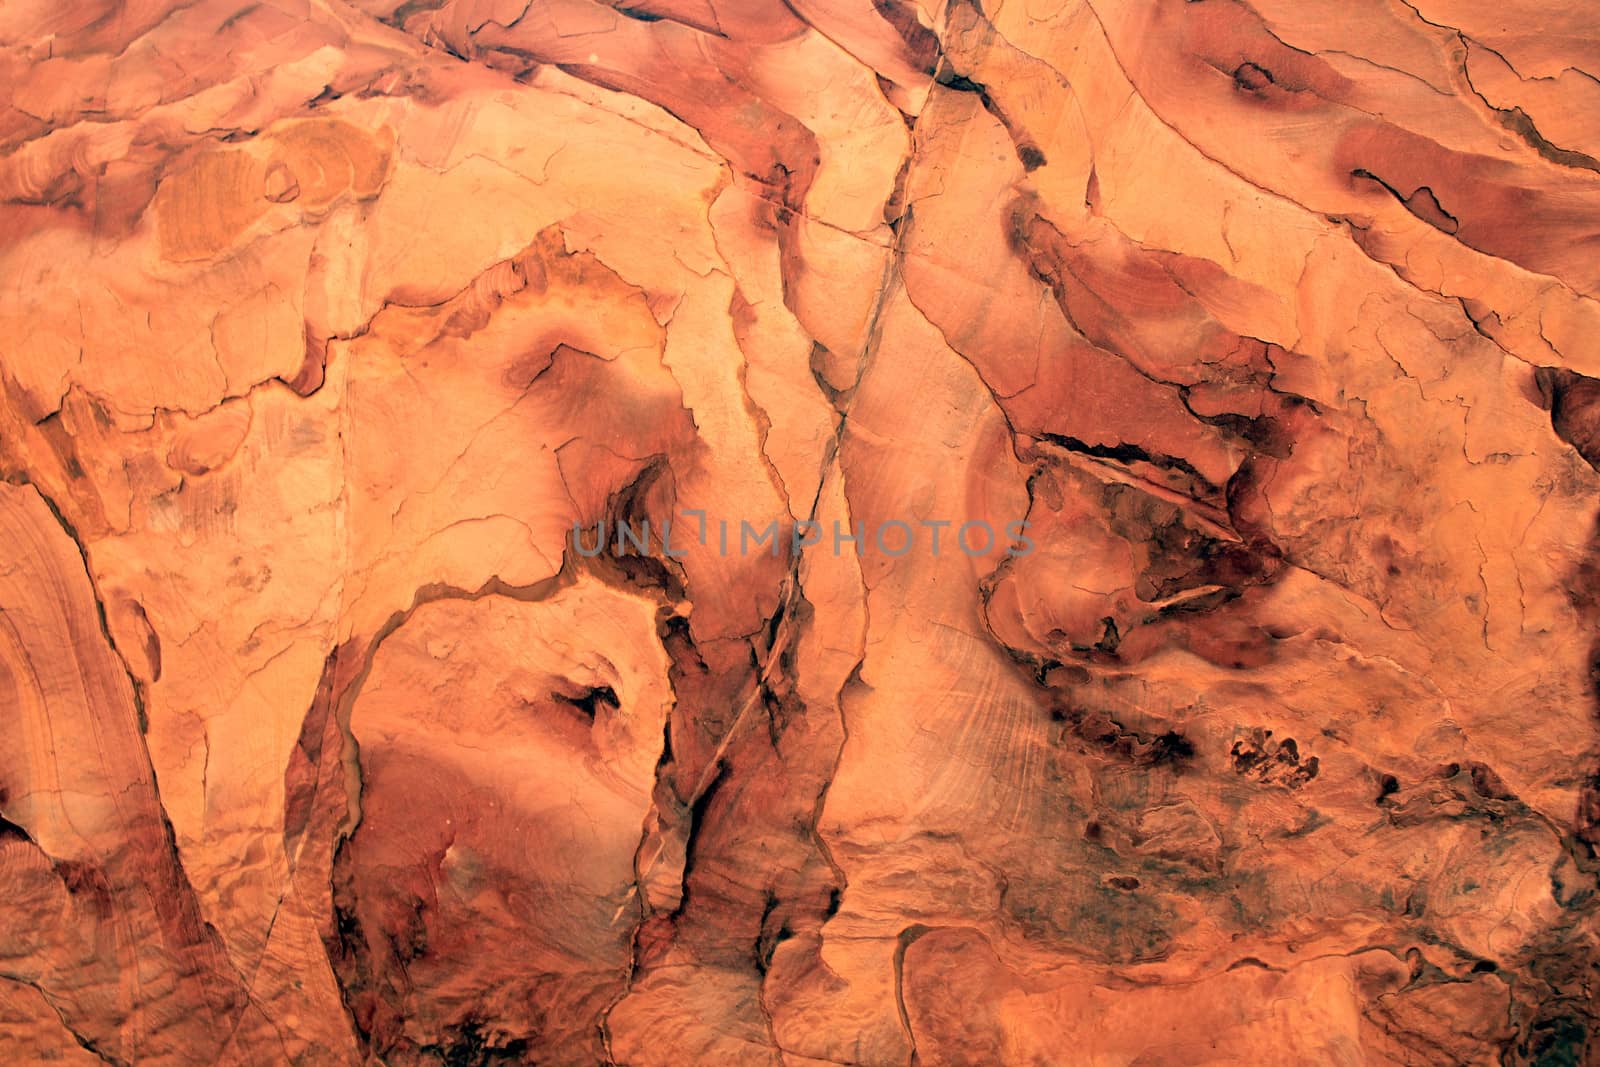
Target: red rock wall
{"points": [[338, 339]]}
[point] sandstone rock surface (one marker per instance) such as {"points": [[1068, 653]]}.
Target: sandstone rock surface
{"points": [[342, 341]]}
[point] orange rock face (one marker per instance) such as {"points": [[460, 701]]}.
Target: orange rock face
{"points": [[1045, 532]]}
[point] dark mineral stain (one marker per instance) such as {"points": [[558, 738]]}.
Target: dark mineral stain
{"points": [[468, 1046], [1558, 1042], [87, 881], [921, 42], [1274, 762]]}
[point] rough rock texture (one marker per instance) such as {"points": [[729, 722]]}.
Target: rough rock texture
{"points": [[1270, 738]]}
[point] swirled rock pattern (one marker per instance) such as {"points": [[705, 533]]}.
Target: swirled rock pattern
{"points": [[1169, 432]]}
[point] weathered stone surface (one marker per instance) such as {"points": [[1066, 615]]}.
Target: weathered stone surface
{"points": [[1122, 580]]}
